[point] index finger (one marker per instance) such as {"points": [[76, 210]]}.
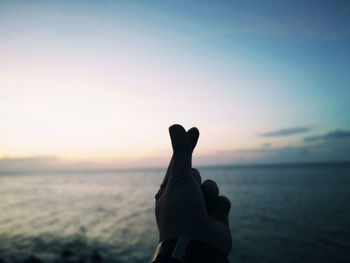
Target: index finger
{"points": [[182, 150], [193, 135]]}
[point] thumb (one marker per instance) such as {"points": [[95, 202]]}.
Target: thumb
{"points": [[182, 151]]}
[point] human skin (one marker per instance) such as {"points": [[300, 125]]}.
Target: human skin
{"points": [[185, 207]]}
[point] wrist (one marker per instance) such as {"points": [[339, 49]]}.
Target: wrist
{"points": [[187, 250]]}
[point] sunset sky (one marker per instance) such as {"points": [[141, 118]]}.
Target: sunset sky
{"points": [[99, 82]]}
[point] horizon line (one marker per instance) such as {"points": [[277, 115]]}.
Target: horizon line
{"points": [[212, 166]]}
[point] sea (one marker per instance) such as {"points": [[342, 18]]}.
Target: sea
{"points": [[280, 213]]}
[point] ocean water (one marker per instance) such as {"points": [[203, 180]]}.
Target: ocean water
{"points": [[295, 213]]}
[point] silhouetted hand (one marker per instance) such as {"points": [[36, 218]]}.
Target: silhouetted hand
{"points": [[184, 206]]}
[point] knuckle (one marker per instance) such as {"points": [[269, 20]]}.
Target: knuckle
{"points": [[225, 202], [195, 171]]}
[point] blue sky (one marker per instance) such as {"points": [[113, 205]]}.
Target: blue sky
{"points": [[100, 81]]}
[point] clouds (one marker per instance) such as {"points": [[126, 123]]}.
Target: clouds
{"points": [[10, 165], [52, 164], [333, 146], [333, 135], [266, 145], [319, 152], [286, 132]]}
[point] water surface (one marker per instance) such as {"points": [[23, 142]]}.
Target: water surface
{"points": [[296, 213]]}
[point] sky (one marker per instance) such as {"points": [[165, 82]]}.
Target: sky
{"points": [[98, 83]]}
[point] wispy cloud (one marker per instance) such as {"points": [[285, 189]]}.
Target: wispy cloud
{"points": [[48, 164], [266, 145], [333, 146], [286, 132], [333, 135], [320, 152], [33, 163]]}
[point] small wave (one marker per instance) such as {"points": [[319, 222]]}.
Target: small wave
{"points": [[333, 243]]}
